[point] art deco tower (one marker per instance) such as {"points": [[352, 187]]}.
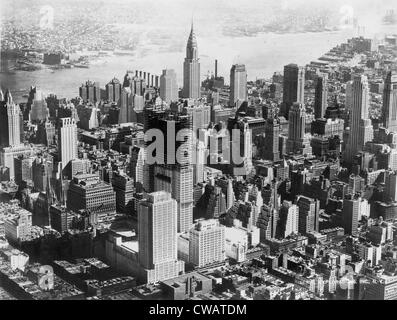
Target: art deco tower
{"points": [[10, 121], [361, 129], [67, 139], [191, 69], [390, 102]]}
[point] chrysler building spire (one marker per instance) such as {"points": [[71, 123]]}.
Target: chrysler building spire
{"points": [[191, 68]]}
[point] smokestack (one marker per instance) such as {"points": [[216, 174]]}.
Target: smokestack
{"points": [[148, 79], [136, 73], [152, 84], [157, 81], [140, 74], [216, 68]]}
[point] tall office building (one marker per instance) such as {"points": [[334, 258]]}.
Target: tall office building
{"points": [[289, 219], [37, 105], [172, 174], [270, 149], [238, 84], [206, 243], [390, 193], [308, 214], [90, 91], [168, 86], [67, 140], [177, 180], [298, 141], [390, 102], [113, 90], [350, 214], [10, 121], [191, 69], [157, 238], [360, 126], [88, 192], [293, 87], [321, 96]]}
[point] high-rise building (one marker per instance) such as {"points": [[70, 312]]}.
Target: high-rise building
{"points": [[10, 121], [360, 126], [124, 187], [390, 193], [270, 148], [45, 133], [41, 170], [350, 214], [293, 87], [88, 192], [170, 173], [23, 169], [113, 90], [37, 105], [206, 243], [177, 180], [238, 84], [298, 141], [308, 214], [289, 219], [321, 96], [157, 238], [90, 91], [61, 218], [67, 140], [191, 69], [168, 86], [390, 102], [137, 162]]}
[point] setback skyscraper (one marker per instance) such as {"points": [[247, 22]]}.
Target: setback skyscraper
{"points": [[298, 141], [238, 84], [157, 238], [168, 86], [321, 96], [360, 126], [293, 87], [10, 121], [390, 102], [191, 69], [67, 140]]}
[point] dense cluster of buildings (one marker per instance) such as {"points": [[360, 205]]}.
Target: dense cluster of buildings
{"points": [[283, 188]]}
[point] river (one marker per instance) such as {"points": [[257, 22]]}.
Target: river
{"points": [[262, 55]]}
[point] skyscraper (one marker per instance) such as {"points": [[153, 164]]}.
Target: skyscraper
{"points": [[157, 238], [308, 214], [113, 90], [298, 142], [238, 84], [172, 175], [390, 102], [271, 145], [360, 126], [168, 86], [293, 87], [88, 192], [37, 105], [207, 243], [10, 121], [191, 69], [350, 214], [67, 140], [321, 96], [289, 218], [90, 91]]}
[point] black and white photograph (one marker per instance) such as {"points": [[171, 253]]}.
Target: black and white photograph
{"points": [[196, 156]]}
